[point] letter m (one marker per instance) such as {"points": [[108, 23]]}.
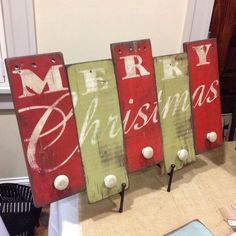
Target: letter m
{"points": [[33, 84]]}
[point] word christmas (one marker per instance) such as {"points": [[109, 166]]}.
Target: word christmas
{"points": [[88, 125]]}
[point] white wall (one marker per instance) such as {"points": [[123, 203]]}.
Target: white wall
{"points": [[11, 157], [83, 30], [18, 22]]}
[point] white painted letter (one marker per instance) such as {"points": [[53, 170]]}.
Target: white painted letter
{"points": [[32, 81], [214, 91], [176, 99], [131, 67], [142, 115], [202, 54], [89, 123], [91, 80], [115, 127], [199, 97], [170, 71]]}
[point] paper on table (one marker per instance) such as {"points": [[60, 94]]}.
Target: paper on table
{"points": [[229, 214], [193, 228]]}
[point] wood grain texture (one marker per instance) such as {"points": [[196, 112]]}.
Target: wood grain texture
{"points": [[198, 191], [138, 101], [204, 77], [47, 125], [223, 27], [98, 120], [174, 108]]}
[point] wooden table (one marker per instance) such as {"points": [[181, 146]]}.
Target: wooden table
{"points": [[198, 191]]}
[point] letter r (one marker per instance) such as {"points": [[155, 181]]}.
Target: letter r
{"points": [[131, 67]]}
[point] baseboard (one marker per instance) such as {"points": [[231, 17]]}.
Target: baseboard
{"points": [[17, 180]]}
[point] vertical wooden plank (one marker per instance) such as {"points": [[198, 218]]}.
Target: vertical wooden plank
{"points": [[47, 125], [138, 101], [98, 122], [175, 110], [203, 71]]}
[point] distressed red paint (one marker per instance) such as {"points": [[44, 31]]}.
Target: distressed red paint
{"points": [[138, 100], [203, 71], [47, 126]]}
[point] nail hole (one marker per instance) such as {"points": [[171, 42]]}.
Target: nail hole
{"points": [[91, 71], [119, 51], [16, 67], [144, 48], [53, 60], [34, 65]]}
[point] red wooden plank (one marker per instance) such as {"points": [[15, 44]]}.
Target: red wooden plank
{"points": [[203, 71], [47, 125], [138, 103]]}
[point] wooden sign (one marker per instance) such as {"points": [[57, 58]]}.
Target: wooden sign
{"points": [[138, 102], [47, 126], [98, 119], [203, 71], [175, 110]]}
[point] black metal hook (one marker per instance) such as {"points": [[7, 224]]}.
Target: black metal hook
{"points": [[171, 177], [122, 196]]}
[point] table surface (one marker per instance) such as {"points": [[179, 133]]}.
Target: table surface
{"points": [[198, 191]]}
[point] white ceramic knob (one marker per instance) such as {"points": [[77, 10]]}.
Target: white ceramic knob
{"points": [[212, 136], [147, 152], [182, 154], [110, 181], [61, 182]]}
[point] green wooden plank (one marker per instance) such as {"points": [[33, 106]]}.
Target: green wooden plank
{"points": [[174, 108], [96, 104]]}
